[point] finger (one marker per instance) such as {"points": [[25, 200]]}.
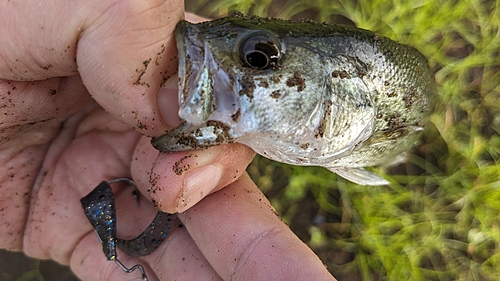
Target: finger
{"points": [[123, 50], [194, 18], [244, 239], [32, 112], [16, 178], [57, 227], [77, 160], [177, 258], [179, 180], [21, 164]]}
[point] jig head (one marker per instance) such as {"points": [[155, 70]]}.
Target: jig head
{"points": [[99, 207]]}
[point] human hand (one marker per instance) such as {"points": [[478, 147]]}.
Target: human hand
{"points": [[57, 144]]}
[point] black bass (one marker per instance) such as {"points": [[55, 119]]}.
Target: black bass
{"points": [[301, 93]]}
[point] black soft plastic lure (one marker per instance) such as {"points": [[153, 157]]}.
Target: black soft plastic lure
{"points": [[99, 207], [300, 92]]}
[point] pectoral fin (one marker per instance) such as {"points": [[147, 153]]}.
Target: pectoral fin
{"points": [[359, 176]]}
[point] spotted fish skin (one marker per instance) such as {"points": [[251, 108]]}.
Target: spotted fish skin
{"points": [[301, 93]]}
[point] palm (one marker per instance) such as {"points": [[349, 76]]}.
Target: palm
{"points": [[95, 147]]}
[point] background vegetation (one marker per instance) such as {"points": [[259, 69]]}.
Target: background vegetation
{"points": [[439, 218]]}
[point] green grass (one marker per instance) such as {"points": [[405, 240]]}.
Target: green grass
{"points": [[440, 217]]}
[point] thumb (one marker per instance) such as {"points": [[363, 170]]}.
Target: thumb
{"points": [[123, 50]]}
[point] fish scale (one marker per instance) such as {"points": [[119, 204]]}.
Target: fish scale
{"points": [[321, 94]]}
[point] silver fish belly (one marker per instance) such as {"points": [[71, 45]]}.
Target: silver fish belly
{"points": [[301, 93]]}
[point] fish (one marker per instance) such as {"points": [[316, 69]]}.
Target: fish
{"points": [[300, 92]]}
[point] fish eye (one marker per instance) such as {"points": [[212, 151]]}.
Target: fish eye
{"points": [[260, 50]]}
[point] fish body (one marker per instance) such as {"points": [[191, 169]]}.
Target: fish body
{"points": [[301, 93]]}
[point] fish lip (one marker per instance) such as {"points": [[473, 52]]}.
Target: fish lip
{"points": [[194, 86], [180, 31], [207, 90]]}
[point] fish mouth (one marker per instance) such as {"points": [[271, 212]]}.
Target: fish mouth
{"points": [[205, 90], [195, 103]]}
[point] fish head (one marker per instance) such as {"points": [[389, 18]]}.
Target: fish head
{"points": [[271, 86], [303, 93]]}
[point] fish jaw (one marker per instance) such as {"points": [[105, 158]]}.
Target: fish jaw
{"points": [[187, 136], [206, 91]]}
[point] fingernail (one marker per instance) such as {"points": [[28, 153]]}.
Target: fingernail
{"points": [[168, 104], [198, 184]]}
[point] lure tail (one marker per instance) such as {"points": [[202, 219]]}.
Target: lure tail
{"points": [[100, 209]]}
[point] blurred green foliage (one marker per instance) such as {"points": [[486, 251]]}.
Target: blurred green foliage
{"points": [[440, 217]]}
